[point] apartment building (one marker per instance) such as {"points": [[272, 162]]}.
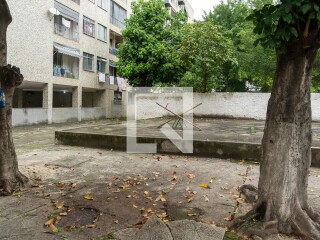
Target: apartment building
{"points": [[66, 50], [180, 5]]}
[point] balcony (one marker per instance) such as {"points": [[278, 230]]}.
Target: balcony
{"points": [[172, 3], [113, 51], [66, 32]]}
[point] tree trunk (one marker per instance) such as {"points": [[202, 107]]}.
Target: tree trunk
{"points": [[10, 77], [282, 204]]}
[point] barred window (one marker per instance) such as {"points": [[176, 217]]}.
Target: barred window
{"points": [[88, 26]]}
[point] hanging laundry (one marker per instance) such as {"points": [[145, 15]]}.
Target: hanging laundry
{"points": [[66, 22], [111, 80], [119, 81], [102, 77]]}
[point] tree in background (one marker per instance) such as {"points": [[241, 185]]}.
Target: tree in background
{"points": [[10, 77], [147, 56], [292, 27], [203, 48], [255, 64]]}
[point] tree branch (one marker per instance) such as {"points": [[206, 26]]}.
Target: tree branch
{"points": [[5, 15], [306, 30]]}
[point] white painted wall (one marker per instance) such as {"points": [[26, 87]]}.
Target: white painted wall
{"points": [[28, 116], [231, 105]]}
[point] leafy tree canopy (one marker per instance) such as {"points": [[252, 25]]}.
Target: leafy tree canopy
{"points": [[146, 57]]}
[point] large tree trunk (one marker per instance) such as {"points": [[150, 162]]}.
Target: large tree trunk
{"points": [[282, 204], [10, 77]]}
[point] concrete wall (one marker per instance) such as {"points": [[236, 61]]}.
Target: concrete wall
{"points": [[233, 105], [29, 116], [60, 115], [93, 113]]}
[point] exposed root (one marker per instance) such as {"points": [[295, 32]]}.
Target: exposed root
{"points": [[10, 186], [257, 222], [250, 192]]}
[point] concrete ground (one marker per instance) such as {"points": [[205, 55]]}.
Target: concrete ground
{"points": [[93, 193]]}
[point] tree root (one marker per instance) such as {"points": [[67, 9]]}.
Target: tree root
{"points": [[250, 192], [303, 223], [9, 186]]}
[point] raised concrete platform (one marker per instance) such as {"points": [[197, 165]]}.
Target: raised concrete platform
{"points": [[223, 138]]}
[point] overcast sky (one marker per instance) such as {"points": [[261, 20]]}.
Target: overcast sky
{"points": [[200, 5]]}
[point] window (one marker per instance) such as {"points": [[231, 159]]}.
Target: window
{"points": [[102, 4], [88, 26], [102, 33], [118, 15], [87, 62], [101, 65]]}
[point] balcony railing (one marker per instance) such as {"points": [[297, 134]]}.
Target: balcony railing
{"points": [[66, 32], [117, 22], [62, 71], [113, 51]]}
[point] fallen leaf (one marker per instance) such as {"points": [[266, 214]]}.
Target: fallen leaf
{"points": [[189, 198], [174, 176], [61, 184], [63, 214], [73, 185], [204, 185], [191, 176], [88, 197], [50, 221], [206, 199], [116, 191], [135, 206], [158, 158], [146, 193], [53, 228], [91, 226], [242, 174], [59, 205], [240, 200], [149, 210], [116, 221], [58, 218], [229, 218], [192, 214]]}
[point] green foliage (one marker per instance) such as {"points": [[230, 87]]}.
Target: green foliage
{"points": [[256, 65], [147, 56], [203, 48], [285, 22]]}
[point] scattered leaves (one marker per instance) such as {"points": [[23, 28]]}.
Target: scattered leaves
{"points": [[59, 205]]}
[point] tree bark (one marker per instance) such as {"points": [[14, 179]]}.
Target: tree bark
{"points": [[282, 204], [10, 177]]}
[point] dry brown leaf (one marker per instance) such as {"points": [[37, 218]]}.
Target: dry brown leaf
{"points": [[189, 198], [73, 185], [59, 205], [50, 221], [229, 218], [58, 218], [146, 193], [205, 185], [135, 206], [242, 174], [191, 176], [91, 226], [116, 191], [240, 200], [53, 228], [88, 197], [116, 221], [61, 184]]}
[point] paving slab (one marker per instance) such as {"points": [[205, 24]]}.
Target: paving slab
{"points": [[222, 138]]}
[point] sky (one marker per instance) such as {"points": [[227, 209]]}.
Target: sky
{"points": [[202, 5]]}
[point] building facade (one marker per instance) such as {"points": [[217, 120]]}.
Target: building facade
{"points": [[180, 5], [66, 50]]}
